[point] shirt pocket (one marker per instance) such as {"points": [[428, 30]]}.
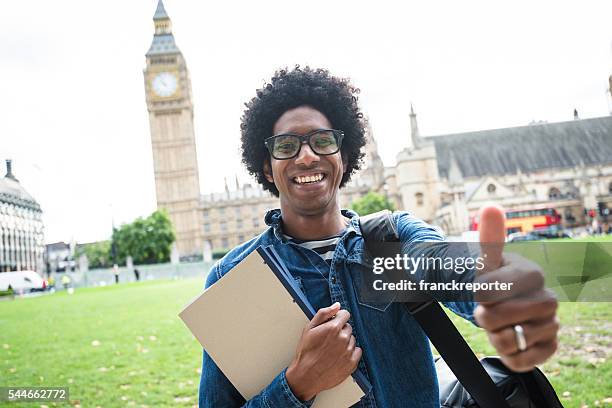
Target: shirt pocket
{"points": [[362, 277]]}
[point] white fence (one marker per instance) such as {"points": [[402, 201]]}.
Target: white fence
{"points": [[103, 277]]}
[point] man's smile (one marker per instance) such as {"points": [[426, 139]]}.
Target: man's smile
{"points": [[310, 178]]}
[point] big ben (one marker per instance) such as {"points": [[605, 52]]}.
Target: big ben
{"points": [[168, 96]]}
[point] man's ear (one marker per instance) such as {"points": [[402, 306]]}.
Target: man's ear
{"points": [[267, 169]]}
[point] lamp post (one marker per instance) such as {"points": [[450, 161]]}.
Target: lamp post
{"points": [[114, 247]]}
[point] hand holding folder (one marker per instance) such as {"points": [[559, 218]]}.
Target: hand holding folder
{"points": [[327, 346], [250, 323]]}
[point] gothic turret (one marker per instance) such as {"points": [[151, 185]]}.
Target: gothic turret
{"points": [[414, 130], [163, 40], [417, 174]]}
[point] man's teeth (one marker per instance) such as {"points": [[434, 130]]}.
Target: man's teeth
{"points": [[308, 179]]}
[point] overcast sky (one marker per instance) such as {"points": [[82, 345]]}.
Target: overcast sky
{"points": [[74, 120]]}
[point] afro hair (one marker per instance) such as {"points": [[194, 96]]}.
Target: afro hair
{"points": [[335, 97]]}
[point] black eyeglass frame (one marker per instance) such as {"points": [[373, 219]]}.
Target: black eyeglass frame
{"points": [[338, 134]]}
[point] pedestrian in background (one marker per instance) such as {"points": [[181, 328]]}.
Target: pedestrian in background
{"points": [[66, 281]]}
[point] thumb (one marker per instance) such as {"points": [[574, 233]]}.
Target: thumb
{"points": [[492, 236], [324, 315]]}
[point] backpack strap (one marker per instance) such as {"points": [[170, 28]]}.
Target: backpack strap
{"points": [[380, 228]]}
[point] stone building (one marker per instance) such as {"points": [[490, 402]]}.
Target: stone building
{"points": [[566, 166], [59, 257], [21, 227], [233, 216]]}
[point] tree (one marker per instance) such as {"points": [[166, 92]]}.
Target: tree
{"points": [[147, 240], [371, 203], [98, 254]]}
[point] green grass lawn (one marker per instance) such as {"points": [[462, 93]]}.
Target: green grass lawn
{"points": [[594, 238], [113, 346], [125, 346]]}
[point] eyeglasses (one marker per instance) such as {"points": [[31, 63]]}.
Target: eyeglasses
{"points": [[288, 145]]}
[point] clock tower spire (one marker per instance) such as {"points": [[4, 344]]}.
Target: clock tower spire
{"points": [[170, 106], [163, 25]]}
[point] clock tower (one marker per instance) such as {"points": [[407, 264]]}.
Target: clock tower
{"points": [[168, 96]]}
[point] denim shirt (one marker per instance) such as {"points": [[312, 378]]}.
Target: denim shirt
{"points": [[397, 358]]}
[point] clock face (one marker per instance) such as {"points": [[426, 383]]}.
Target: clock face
{"points": [[164, 84]]}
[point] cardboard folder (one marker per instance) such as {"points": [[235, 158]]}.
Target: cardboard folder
{"points": [[250, 322]]}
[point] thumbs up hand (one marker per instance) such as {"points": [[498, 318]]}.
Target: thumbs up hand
{"points": [[522, 322], [492, 236]]}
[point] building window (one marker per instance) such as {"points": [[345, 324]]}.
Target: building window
{"points": [[554, 194], [240, 238], [223, 226], [221, 210], [239, 224], [610, 188], [206, 227], [224, 243], [237, 210], [205, 213], [418, 197], [491, 189], [255, 222]]}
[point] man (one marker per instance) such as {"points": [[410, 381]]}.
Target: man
{"points": [[66, 281], [116, 273], [301, 139]]}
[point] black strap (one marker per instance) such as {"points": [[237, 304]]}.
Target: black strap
{"points": [[458, 356], [378, 228]]}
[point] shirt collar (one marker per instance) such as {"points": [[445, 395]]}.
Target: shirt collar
{"points": [[273, 219]]}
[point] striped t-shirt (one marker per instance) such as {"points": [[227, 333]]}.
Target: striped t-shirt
{"points": [[324, 247]]}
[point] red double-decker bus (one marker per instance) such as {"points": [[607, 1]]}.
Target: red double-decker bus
{"points": [[527, 220]]}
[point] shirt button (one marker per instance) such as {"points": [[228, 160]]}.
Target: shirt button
{"points": [[333, 279]]}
